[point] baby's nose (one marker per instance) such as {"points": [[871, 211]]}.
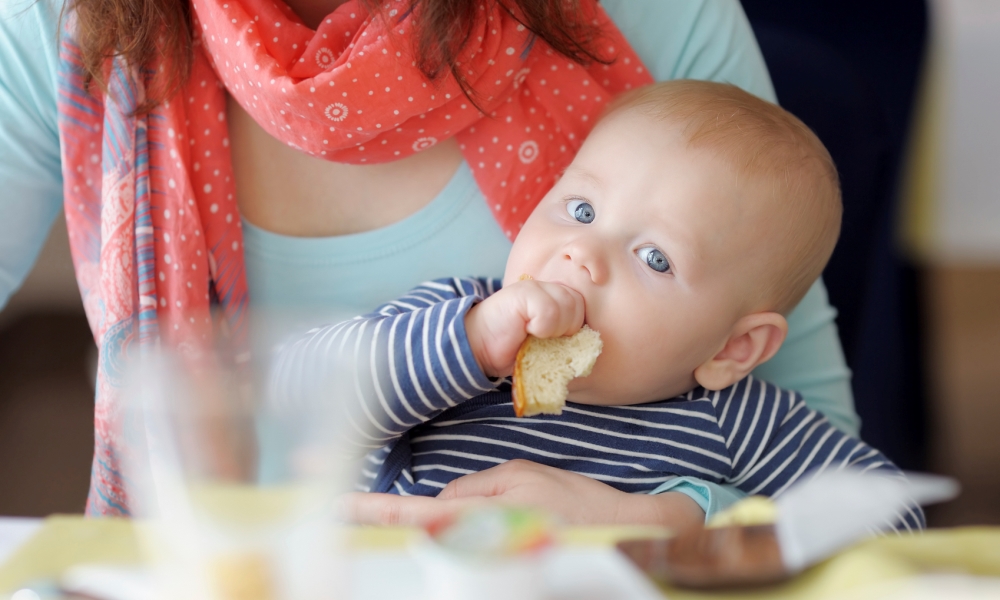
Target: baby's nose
{"points": [[592, 263]]}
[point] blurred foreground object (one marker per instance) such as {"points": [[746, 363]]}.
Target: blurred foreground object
{"points": [[215, 533], [812, 521], [584, 564], [488, 553]]}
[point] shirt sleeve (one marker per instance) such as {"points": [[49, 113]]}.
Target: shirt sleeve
{"points": [[30, 165], [392, 369], [711, 497], [774, 440]]}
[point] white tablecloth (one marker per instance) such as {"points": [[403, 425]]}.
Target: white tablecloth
{"points": [[14, 531]]}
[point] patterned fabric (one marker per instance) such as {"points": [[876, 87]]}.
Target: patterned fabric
{"points": [[150, 199], [413, 391], [351, 91], [150, 240]]}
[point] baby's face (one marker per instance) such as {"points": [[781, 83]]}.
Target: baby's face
{"points": [[649, 232]]}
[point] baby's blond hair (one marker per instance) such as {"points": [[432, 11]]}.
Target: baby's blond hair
{"points": [[780, 158]]}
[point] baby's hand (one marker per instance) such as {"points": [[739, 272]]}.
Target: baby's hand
{"points": [[497, 326]]}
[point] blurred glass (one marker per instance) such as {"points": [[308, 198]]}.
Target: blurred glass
{"points": [[217, 529]]}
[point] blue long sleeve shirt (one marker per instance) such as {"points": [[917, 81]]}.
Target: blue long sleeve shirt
{"points": [[413, 393]]}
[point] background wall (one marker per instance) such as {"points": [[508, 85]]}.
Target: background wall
{"points": [[850, 70], [963, 331], [46, 396], [921, 330]]}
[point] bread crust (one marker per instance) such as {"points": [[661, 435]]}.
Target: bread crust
{"points": [[517, 391], [579, 351]]}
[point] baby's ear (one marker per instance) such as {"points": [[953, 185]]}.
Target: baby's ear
{"points": [[753, 340]]}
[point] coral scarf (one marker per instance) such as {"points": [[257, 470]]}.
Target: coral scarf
{"points": [[150, 200]]}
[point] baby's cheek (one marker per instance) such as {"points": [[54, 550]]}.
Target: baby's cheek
{"points": [[619, 376], [526, 258], [659, 367], [604, 384]]}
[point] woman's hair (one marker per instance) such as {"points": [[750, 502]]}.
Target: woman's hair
{"points": [[142, 31]]}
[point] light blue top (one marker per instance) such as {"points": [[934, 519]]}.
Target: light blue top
{"points": [[303, 281]]}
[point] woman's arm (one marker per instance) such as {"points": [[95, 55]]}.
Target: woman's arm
{"points": [[30, 166], [712, 39]]}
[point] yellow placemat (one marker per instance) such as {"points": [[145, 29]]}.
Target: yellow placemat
{"points": [[64, 541], [68, 540]]}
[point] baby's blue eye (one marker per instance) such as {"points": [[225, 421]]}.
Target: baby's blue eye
{"points": [[654, 258], [581, 211]]}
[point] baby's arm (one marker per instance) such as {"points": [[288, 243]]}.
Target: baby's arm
{"points": [[392, 369], [774, 439], [421, 354]]}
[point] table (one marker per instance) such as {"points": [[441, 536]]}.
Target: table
{"points": [[942, 563]]}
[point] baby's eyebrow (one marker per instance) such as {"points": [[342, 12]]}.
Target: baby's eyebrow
{"points": [[592, 179]]}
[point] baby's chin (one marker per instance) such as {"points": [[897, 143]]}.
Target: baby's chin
{"points": [[597, 392], [582, 391]]}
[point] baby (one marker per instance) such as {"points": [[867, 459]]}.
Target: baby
{"points": [[693, 218]]}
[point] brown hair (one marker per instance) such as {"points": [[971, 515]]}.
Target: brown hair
{"points": [[777, 155], [143, 30]]}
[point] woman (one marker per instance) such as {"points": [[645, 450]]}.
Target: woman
{"points": [[239, 156]]}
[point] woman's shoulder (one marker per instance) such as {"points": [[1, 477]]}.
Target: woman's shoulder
{"points": [[24, 20], [29, 64], [30, 168], [693, 39], [29, 47]]}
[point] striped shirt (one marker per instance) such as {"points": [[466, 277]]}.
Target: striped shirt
{"points": [[415, 398]]}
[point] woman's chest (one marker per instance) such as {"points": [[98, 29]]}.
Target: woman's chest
{"points": [[285, 191]]}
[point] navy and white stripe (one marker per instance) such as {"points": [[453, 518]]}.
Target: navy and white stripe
{"points": [[416, 394], [392, 369]]}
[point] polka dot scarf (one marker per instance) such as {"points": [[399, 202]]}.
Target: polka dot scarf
{"points": [[150, 199], [350, 91]]}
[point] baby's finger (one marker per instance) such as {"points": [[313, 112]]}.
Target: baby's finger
{"points": [[576, 311], [553, 310]]}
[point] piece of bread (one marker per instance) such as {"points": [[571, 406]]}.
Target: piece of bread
{"points": [[544, 367]]}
